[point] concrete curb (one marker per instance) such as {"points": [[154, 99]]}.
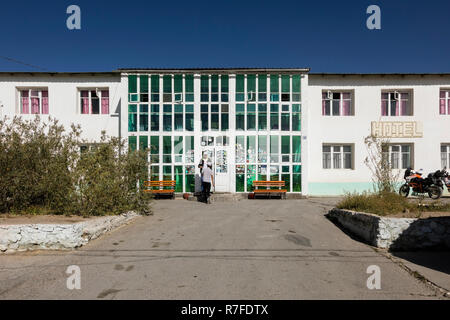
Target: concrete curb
{"points": [[394, 233], [28, 237]]}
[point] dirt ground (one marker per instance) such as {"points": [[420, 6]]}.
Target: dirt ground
{"points": [[40, 219]]}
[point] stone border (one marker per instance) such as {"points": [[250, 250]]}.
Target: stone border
{"points": [[394, 233], [26, 237]]}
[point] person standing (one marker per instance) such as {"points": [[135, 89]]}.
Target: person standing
{"points": [[207, 181]]}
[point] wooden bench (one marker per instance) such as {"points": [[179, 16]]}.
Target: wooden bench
{"points": [[270, 188], [158, 188]]}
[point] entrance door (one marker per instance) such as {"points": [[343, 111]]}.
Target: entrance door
{"points": [[219, 157]]}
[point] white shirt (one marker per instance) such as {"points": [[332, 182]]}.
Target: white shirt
{"points": [[207, 173]]}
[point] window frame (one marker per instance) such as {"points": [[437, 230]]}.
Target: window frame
{"points": [[342, 153], [391, 92]]}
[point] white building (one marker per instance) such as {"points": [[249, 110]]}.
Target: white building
{"points": [[279, 124]]}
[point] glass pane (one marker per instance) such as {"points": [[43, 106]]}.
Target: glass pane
{"points": [[296, 83], [296, 148], [189, 82], [262, 149], [262, 83], [178, 83], [285, 122], [251, 149], [285, 84], [285, 144], [132, 143], [251, 83], [274, 83], [155, 83], [167, 84], [240, 83], [144, 83], [215, 83], [224, 83], [132, 84], [240, 149], [204, 84]]}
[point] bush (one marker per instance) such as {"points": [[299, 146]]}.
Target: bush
{"points": [[386, 203], [382, 203], [43, 171]]}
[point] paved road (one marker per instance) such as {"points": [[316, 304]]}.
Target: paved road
{"points": [[250, 249]]}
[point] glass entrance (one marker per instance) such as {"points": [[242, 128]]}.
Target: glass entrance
{"points": [[217, 152]]}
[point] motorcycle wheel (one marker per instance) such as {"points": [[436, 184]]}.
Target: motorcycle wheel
{"points": [[435, 192], [404, 190]]}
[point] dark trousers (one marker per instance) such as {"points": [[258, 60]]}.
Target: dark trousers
{"points": [[206, 190]]}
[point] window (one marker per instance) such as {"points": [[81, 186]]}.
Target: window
{"points": [[132, 118], [189, 117], [337, 157], [143, 117], [224, 87], [445, 156], [178, 117], [189, 87], [215, 117], [274, 87], [285, 88], [154, 149], [143, 88], [262, 116], [133, 88], [224, 117], [274, 117], [167, 149], [154, 117], [155, 87], [296, 87], [94, 101], [444, 102], [204, 110], [296, 117], [251, 116], [285, 117], [251, 87], [34, 101], [240, 93], [262, 87], [396, 103], [240, 116], [337, 104], [167, 88], [167, 117], [398, 156]]}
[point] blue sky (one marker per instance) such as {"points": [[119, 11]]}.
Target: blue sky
{"points": [[327, 36]]}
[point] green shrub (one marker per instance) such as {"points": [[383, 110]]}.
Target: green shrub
{"points": [[43, 170]]}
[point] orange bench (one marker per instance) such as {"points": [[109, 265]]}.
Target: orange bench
{"points": [[268, 188], [158, 188]]}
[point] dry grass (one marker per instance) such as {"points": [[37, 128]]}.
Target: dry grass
{"points": [[388, 203]]}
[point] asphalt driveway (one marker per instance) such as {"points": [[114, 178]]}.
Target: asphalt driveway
{"points": [[249, 249]]}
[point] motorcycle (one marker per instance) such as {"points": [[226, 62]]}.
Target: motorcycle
{"points": [[432, 184], [445, 177]]}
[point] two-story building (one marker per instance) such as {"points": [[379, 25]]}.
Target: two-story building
{"points": [[275, 124]]}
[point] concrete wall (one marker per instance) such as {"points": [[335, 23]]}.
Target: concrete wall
{"points": [[353, 129]]}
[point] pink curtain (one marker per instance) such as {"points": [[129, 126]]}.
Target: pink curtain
{"points": [[384, 107], [403, 104], [44, 102], [105, 102], [442, 106], [25, 102], [85, 102], [346, 104], [35, 105]]}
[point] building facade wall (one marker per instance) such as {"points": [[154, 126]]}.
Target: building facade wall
{"points": [[340, 130], [64, 100]]}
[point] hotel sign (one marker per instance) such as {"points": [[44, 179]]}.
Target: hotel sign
{"points": [[397, 129]]}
